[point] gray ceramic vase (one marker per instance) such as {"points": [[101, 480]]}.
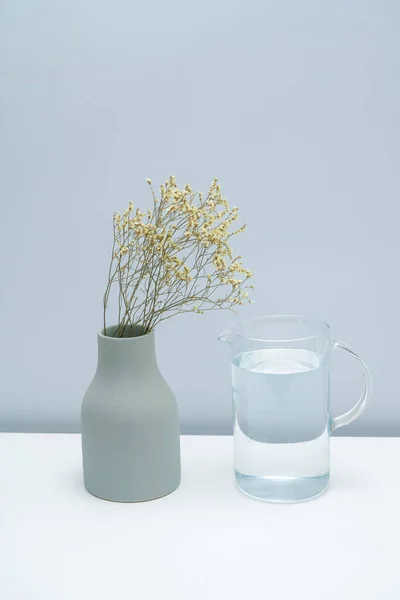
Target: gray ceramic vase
{"points": [[130, 424]]}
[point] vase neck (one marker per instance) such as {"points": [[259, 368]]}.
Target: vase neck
{"points": [[136, 354]]}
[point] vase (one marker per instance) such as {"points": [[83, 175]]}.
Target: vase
{"points": [[130, 423]]}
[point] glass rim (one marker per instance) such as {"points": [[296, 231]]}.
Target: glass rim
{"points": [[320, 324]]}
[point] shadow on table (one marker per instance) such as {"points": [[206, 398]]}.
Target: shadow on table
{"points": [[350, 479], [73, 481]]}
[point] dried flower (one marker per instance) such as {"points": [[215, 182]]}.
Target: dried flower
{"points": [[176, 257]]}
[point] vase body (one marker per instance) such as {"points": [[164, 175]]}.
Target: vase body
{"points": [[130, 424]]}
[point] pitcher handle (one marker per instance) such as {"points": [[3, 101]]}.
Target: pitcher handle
{"points": [[359, 408]]}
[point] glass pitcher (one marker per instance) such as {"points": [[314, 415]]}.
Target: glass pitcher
{"points": [[283, 421]]}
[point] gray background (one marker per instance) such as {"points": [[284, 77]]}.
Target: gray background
{"points": [[293, 105]]}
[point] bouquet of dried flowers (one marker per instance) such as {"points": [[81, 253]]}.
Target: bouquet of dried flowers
{"points": [[175, 258]]}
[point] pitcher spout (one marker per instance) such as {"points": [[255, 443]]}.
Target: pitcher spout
{"points": [[227, 334]]}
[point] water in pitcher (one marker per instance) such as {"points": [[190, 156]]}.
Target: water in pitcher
{"points": [[281, 423]]}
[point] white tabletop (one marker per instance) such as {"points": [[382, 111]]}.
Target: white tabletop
{"points": [[207, 540]]}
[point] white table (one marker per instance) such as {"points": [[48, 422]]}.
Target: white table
{"points": [[207, 540]]}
